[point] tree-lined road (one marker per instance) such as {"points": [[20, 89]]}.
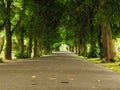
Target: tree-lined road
{"points": [[59, 71]]}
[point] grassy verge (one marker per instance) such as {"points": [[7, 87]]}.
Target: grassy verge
{"points": [[113, 66]]}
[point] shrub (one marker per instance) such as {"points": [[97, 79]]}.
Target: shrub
{"points": [[1, 59], [93, 53], [115, 59], [40, 54], [22, 55]]}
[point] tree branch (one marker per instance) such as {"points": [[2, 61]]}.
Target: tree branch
{"points": [[17, 24]]}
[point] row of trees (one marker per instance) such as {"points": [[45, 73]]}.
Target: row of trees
{"points": [[95, 23], [43, 25], [29, 24]]}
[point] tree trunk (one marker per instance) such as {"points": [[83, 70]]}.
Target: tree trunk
{"points": [[107, 40], [81, 45], [40, 47], [35, 48], [78, 48], [22, 41], [75, 51], [8, 50], [85, 50], [84, 47], [72, 48], [100, 43], [49, 50], [108, 44], [29, 50]]}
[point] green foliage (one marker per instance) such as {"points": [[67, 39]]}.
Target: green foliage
{"points": [[56, 46], [22, 55], [1, 59], [116, 31], [93, 53], [40, 53], [109, 12], [115, 59], [58, 21], [114, 66]]}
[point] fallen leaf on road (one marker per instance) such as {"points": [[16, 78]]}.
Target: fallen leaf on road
{"points": [[98, 80], [33, 76], [52, 78], [71, 79]]}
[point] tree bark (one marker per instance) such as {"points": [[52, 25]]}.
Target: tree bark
{"points": [[35, 48], [100, 43], [81, 45], [75, 48], [8, 54], [85, 50], [29, 50], [8, 50], [22, 40], [48, 49], [108, 44], [40, 47], [106, 37], [78, 48]]}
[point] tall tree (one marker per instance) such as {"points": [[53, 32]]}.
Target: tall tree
{"points": [[106, 17], [8, 8]]}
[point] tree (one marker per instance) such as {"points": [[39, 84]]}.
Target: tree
{"points": [[51, 12], [107, 16], [27, 28], [8, 12]]}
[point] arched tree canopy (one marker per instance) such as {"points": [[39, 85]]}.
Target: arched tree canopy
{"points": [[88, 27]]}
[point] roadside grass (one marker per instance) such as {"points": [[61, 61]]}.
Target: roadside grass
{"points": [[94, 60], [3, 60], [115, 66]]}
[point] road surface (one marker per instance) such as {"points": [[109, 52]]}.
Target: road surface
{"points": [[59, 71]]}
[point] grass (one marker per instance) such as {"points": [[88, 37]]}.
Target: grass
{"points": [[95, 60], [113, 66]]}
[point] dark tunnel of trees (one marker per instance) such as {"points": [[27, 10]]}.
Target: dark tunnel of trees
{"points": [[30, 28]]}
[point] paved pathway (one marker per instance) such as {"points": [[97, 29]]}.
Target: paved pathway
{"points": [[60, 71]]}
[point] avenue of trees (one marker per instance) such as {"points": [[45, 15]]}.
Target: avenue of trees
{"points": [[88, 27]]}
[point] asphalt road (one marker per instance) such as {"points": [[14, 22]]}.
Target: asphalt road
{"points": [[59, 71]]}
